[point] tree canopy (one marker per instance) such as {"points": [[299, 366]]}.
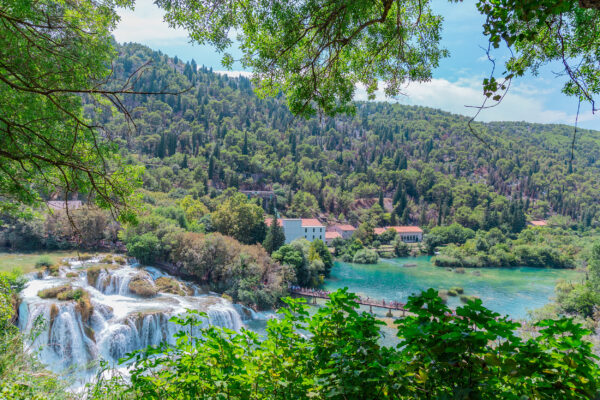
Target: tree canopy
{"points": [[53, 53]]}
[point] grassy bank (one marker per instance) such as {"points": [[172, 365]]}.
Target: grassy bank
{"points": [[26, 261]]}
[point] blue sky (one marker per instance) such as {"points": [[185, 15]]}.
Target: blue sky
{"points": [[456, 82]]}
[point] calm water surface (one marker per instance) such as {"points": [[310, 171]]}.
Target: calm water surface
{"points": [[511, 291]]}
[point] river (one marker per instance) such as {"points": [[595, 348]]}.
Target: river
{"points": [[508, 291]]}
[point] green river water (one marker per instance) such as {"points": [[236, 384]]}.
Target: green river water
{"points": [[510, 291]]}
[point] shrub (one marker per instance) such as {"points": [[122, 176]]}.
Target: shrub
{"points": [[44, 262], [365, 256]]}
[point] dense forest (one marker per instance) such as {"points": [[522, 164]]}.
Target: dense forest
{"points": [[425, 163]]}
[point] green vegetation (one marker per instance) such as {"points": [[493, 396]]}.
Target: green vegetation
{"points": [[582, 299], [44, 261], [87, 227], [311, 261], [546, 247], [275, 237], [341, 357], [54, 53], [423, 162], [365, 256]]}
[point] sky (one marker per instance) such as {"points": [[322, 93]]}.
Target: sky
{"points": [[456, 83]]}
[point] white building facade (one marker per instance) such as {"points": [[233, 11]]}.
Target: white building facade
{"points": [[295, 228]]}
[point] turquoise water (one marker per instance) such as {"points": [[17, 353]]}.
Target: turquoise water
{"points": [[509, 291]]}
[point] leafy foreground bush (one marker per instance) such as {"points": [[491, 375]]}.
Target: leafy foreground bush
{"points": [[336, 354]]}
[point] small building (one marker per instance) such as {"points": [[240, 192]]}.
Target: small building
{"points": [[408, 234], [294, 228], [346, 231], [330, 236], [541, 222]]}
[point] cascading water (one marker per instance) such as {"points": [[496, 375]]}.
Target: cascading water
{"points": [[108, 320]]}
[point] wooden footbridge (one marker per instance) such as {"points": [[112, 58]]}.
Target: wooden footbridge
{"points": [[323, 294]]}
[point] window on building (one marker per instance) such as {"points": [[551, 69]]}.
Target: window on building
{"points": [[305, 230], [313, 229]]}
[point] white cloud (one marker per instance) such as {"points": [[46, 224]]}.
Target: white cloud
{"points": [[521, 103], [146, 25]]}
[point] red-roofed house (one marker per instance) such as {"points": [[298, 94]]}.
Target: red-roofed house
{"points": [[345, 231], [541, 222], [331, 236], [408, 234], [294, 228]]}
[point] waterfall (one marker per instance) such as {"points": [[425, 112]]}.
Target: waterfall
{"points": [[69, 337]]}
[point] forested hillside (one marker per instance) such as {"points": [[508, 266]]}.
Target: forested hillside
{"points": [[219, 134]]}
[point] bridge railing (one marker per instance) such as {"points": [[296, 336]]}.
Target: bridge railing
{"points": [[324, 294]]}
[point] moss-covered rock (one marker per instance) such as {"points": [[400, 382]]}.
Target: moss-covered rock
{"points": [[120, 260], [72, 274], [173, 286], [142, 285], [457, 289], [94, 272], [464, 298], [53, 292]]}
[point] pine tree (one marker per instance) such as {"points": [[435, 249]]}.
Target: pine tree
{"points": [[211, 168], [405, 217], [403, 163], [245, 146], [381, 200], [184, 163], [275, 237]]}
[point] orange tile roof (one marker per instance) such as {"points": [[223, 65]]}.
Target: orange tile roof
{"points": [[399, 229], [332, 235], [311, 222], [345, 227]]}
